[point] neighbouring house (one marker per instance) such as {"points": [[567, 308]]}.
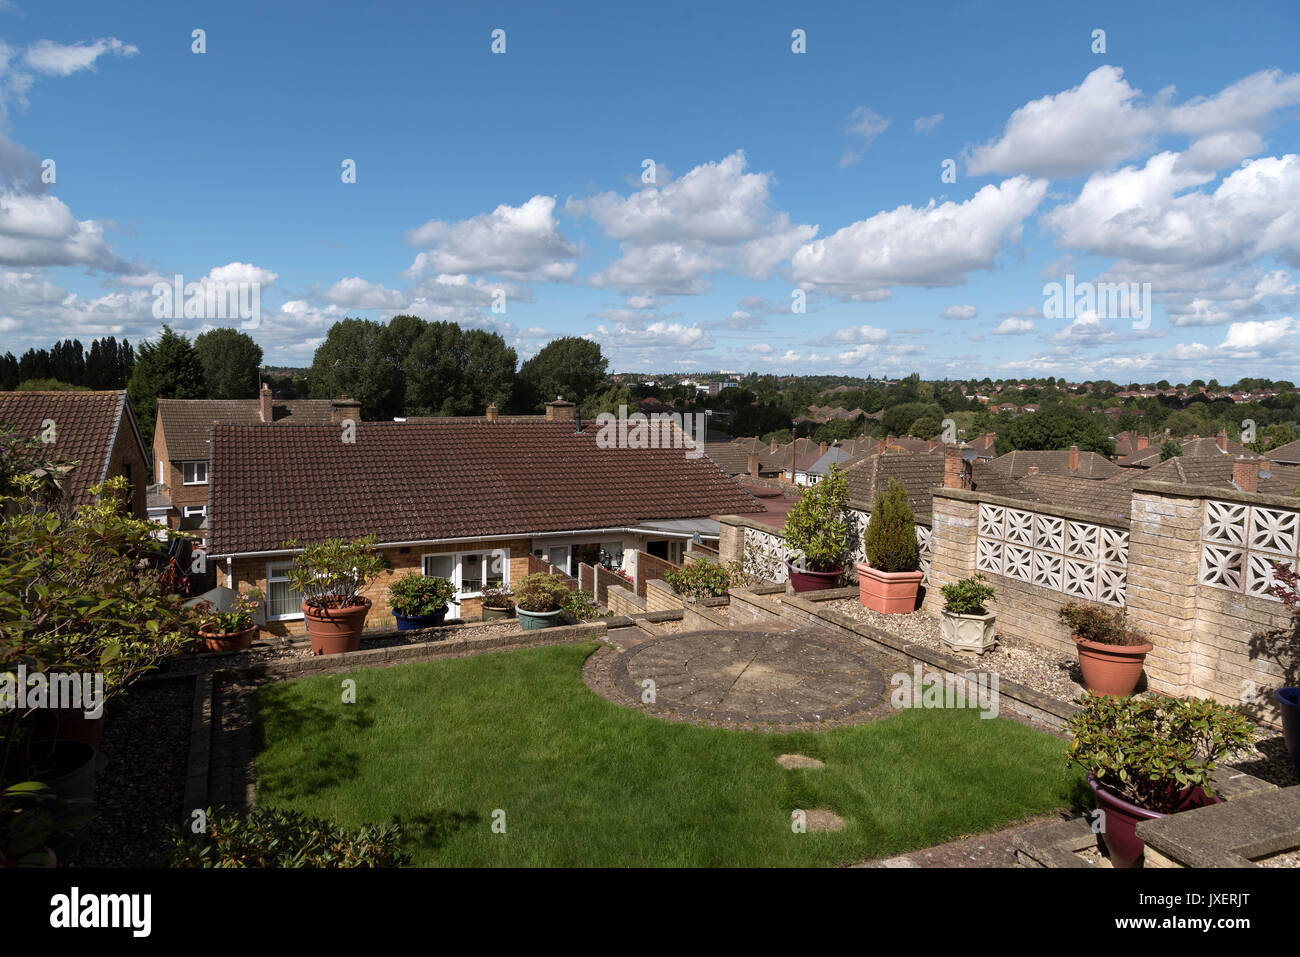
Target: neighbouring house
{"points": [[477, 503], [182, 463], [1288, 454], [98, 430], [1071, 461], [920, 473], [1197, 447]]}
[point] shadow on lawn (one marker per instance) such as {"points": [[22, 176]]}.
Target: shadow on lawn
{"points": [[276, 718], [433, 829]]}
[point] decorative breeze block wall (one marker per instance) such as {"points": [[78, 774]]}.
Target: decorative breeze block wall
{"points": [[1081, 559], [1240, 544], [765, 552]]}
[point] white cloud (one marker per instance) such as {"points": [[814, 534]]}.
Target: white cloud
{"points": [[516, 242], [927, 124], [1014, 327], [40, 230], [960, 312], [936, 245], [58, 59], [357, 293], [864, 126], [1258, 338]]}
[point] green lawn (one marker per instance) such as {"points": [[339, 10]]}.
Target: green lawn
{"points": [[582, 781]]}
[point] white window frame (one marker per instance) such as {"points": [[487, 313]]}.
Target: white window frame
{"points": [[189, 511], [458, 559], [271, 577], [185, 467]]}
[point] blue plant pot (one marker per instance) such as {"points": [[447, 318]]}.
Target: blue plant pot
{"points": [[1288, 700], [412, 622]]}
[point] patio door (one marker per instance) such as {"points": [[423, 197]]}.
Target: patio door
{"points": [[445, 566], [558, 555]]}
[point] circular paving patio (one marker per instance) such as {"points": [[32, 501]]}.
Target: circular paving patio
{"points": [[746, 678]]}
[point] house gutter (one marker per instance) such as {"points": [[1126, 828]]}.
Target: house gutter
{"points": [[476, 538]]}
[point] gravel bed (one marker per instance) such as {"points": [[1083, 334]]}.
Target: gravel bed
{"points": [[1013, 659], [138, 794], [1286, 859]]}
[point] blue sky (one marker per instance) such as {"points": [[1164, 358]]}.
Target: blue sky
{"points": [[1169, 159]]}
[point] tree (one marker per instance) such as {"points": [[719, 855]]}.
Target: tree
{"points": [[1169, 450], [570, 366], [230, 360], [168, 368], [1056, 428], [452, 372], [924, 428], [346, 363]]}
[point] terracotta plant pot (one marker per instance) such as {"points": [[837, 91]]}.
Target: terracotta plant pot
{"points": [[805, 579], [335, 630], [1119, 827], [890, 593], [497, 614], [228, 641], [1111, 669], [967, 633]]}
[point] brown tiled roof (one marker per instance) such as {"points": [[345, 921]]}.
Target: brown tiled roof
{"points": [[186, 422], [921, 473], [1054, 462], [1196, 448], [1288, 454], [476, 419], [1107, 499], [85, 427], [1217, 473], [426, 482]]}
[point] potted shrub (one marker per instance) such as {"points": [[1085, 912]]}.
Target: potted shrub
{"points": [[1284, 644], [965, 624], [702, 579], [1150, 757], [539, 599], [817, 532], [331, 574], [497, 603], [33, 817], [580, 606], [1110, 653], [420, 601], [888, 581], [232, 630]]}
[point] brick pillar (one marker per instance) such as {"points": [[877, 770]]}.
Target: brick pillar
{"points": [[1163, 567], [953, 532], [731, 540]]}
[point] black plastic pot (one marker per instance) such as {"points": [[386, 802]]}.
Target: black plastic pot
{"points": [[68, 767]]}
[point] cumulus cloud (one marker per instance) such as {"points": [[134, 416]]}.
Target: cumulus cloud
{"points": [[40, 230], [1014, 327], [935, 245], [674, 236], [356, 293], [960, 312], [927, 124], [59, 59], [516, 242], [1257, 338]]}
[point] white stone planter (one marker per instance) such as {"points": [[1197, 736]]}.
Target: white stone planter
{"points": [[969, 634]]}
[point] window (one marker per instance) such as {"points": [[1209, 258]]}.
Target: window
{"points": [[189, 511], [470, 572], [282, 601], [194, 473], [558, 555]]}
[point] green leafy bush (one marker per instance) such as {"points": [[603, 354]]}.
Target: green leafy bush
{"points": [[32, 815], [967, 596], [332, 573], [817, 527], [540, 592], [413, 595], [1097, 624], [1152, 751], [704, 579], [890, 543], [238, 618], [581, 606], [498, 598], [270, 837]]}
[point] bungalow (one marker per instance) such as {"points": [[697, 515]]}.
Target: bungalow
{"points": [[97, 430], [475, 503]]}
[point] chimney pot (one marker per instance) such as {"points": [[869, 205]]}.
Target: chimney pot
{"points": [[1033, 470], [822, 449], [1074, 458], [773, 446]]}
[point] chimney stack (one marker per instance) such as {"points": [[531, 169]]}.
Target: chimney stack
{"points": [[1223, 440], [559, 410], [821, 450], [773, 447], [492, 412], [1033, 470], [1245, 473], [752, 464], [1074, 458], [954, 467], [265, 408], [880, 446], [343, 408], [1142, 441]]}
